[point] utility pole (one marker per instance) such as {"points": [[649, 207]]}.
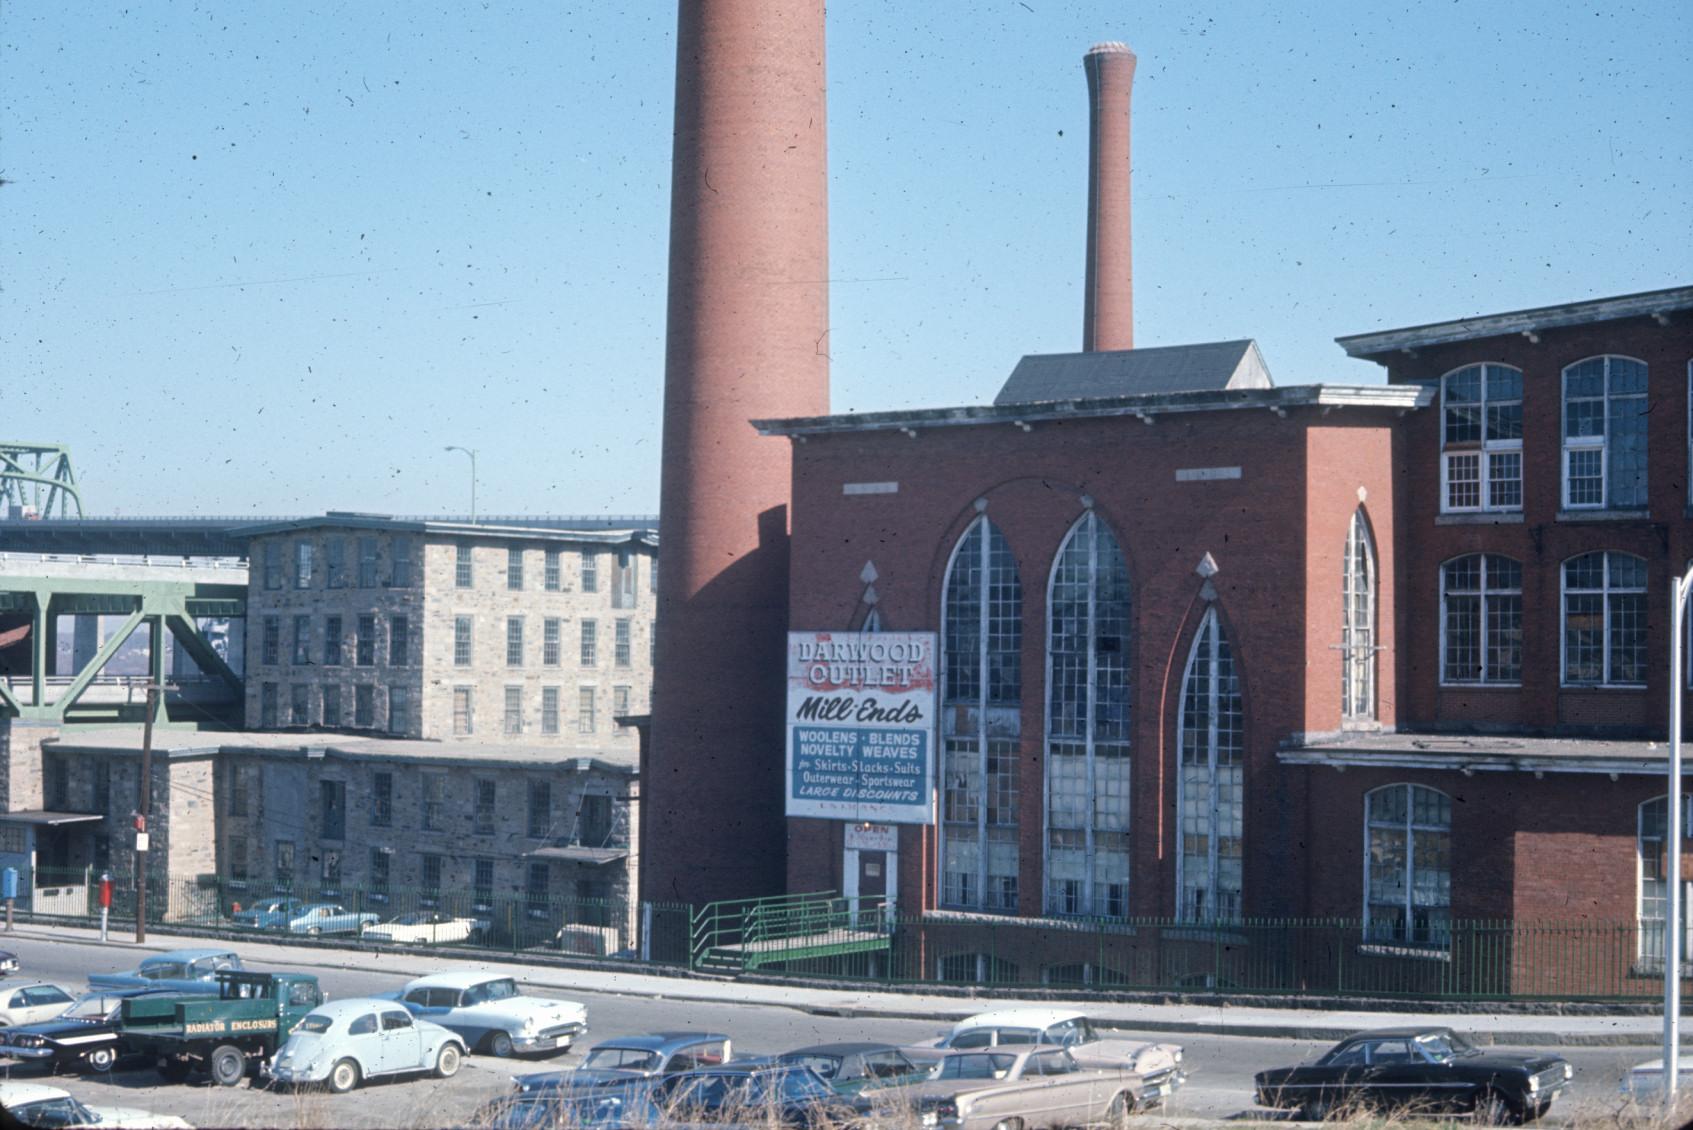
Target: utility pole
{"points": [[144, 809]]}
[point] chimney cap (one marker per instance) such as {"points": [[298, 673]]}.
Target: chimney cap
{"points": [[1110, 47]]}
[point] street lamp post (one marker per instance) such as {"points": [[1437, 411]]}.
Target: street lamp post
{"points": [[470, 451], [1679, 589]]}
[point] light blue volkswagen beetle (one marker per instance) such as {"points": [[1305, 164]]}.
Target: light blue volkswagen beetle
{"points": [[345, 1042]]}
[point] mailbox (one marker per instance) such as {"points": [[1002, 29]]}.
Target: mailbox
{"points": [[9, 883]]}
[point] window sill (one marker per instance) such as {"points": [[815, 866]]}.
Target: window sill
{"points": [[1416, 953], [1600, 514], [241, 884], [1609, 688], [1481, 686], [1480, 518]]}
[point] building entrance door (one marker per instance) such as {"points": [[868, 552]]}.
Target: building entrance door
{"points": [[870, 873]]}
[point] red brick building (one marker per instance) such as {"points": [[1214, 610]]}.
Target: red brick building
{"points": [[1215, 650]]}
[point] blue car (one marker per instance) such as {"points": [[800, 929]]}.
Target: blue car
{"points": [[268, 914], [182, 971]]}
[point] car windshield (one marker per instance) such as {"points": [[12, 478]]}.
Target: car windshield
{"points": [[630, 1059], [412, 920], [163, 971], [316, 1022], [502, 989], [827, 1066], [802, 1085], [95, 1006], [64, 1111], [1444, 1046], [982, 1065]]}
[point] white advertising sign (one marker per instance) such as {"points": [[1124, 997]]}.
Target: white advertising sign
{"points": [[861, 726]]}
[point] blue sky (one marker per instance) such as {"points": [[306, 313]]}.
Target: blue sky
{"points": [[271, 259]]}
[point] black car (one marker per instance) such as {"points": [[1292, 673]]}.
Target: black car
{"points": [[614, 1106], [86, 1036], [856, 1066], [1418, 1069], [629, 1058], [757, 1093]]}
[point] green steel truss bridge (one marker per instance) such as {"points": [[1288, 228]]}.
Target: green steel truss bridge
{"points": [[36, 479]]}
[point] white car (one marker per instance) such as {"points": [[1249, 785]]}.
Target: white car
{"points": [[30, 1002], [490, 1014], [1646, 1080], [1160, 1065], [425, 928], [345, 1042], [36, 1104]]}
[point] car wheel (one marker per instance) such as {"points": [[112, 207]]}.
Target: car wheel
{"points": [[1117, 1117], [1008, 1124], [1494, 1109], [314, 931], [447, 1061], [499, 1044], [344, 1076], [228, 1065], [100, 1059]]}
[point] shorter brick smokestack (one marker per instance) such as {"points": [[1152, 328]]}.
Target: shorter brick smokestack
{"points": [[1108, 319]]}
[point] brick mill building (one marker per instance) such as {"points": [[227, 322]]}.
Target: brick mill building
{"points": [[1212, 650]]}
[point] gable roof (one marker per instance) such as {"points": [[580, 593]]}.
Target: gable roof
{"points": [[1041, 377]]}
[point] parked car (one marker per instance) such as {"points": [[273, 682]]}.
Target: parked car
{"points": [[26, 1002], [1159, 1065], [185, 971], [272, 913], [852, 1067], [489, 1013], [424, 927], [629, 1058], [87, 1036], [1646, 1080], [342, 1043], [617, 1106], [753, 1093], [8, 961], [1432, 1069], [36, 1104], [1027, 1086], [318, 918]]}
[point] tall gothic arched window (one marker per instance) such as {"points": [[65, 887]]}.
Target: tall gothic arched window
{"points": [[1358, 624], [982, 686], [1087, 735], [1211, 786]]}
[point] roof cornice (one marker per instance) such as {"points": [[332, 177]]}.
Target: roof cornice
{"points": [[1651, 303], [1400, 398]]}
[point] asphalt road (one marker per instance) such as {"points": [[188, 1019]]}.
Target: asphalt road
{"points": [[1219, 1084]]}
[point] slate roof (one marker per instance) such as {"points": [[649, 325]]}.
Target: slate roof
{"points": [[1041, 377]]}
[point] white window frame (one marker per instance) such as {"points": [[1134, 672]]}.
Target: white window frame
{"points": [[1600, 443], [1482, 450], [1483, 593], [1643, 953], [1605, 594], [1211, 636], [1089, 903], [1358, 533], [1411, 827]]}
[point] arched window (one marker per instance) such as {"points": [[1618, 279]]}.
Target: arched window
{"points": [[1653, 853], [1605, 434], [981, 706], [1605, 620], [1211, 791], [1087, 738], [1407, 864], [1358, 624], [1481, 620], [1481, 434]]}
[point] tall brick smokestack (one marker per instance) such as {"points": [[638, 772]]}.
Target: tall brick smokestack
{"points": [[747, 338], [1108, 319]]}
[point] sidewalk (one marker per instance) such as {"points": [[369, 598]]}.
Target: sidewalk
{"points": [[1289, 1023]]}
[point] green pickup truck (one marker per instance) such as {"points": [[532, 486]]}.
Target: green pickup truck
{"points": [[247, 1021]]}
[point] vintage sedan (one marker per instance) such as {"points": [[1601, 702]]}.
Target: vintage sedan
{"points": [[1158, 1064], [854, 1066], [8, 961], [342, 1043], [272, 913], [760, 1094], [1418, 1069], [630, 1058], [1023, 1086], [490, 1014], [27, 1002], [183, 971], [1646, 1080], [422, 928], [88, 1036], [36, 1104], [618, 1106], [316, 918]]}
